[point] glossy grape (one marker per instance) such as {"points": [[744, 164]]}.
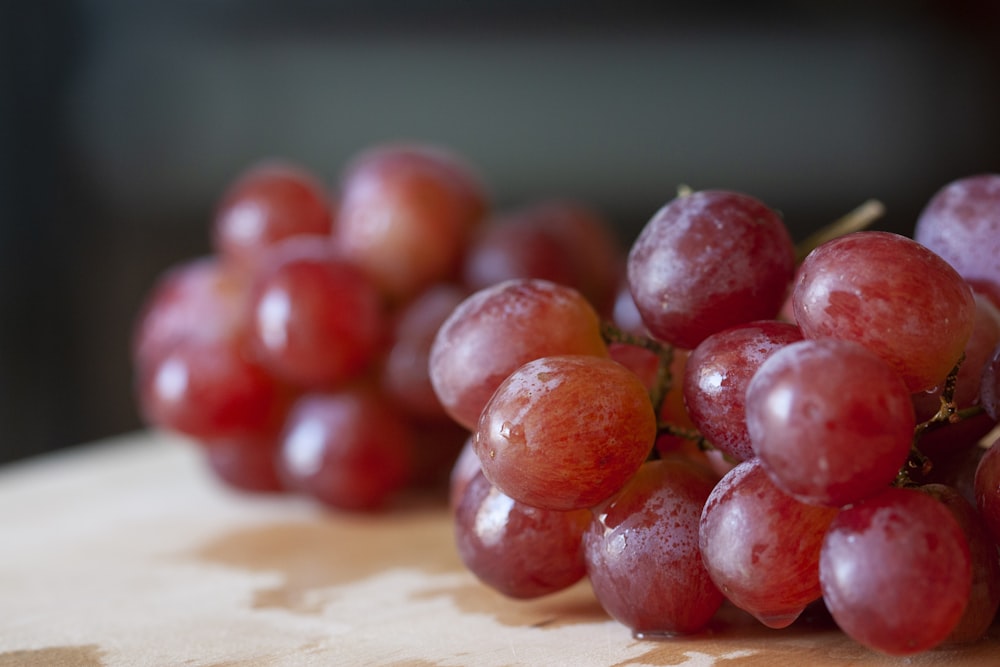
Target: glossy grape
{"points": [[317, 321], [210, 389], [270, 202], [406, 215], [642, 552], [984, 596], [348, 449], [961, 223], [246, 464], [896, 572], [405, 373], [496, 330], [986, 486], [708, 261], [831, 422], [989, 387], [892, 295], [521, 551], [716, 377], [565, 432], [761, 546]]}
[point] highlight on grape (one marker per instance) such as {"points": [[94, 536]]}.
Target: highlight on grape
{"points": [[712, 415]]}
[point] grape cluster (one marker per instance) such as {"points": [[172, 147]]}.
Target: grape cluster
{"points": [[296, 353], [755, 429]]}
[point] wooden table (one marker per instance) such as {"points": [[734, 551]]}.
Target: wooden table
{"points": [[127, 553]]}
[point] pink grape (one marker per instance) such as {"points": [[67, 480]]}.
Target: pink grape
{"points": [[708, 261], [716, 377], [892, 295], [896, 571], [268, 203], [521, 551], [761, 546], [565, 432], [496, 330], [642, 552], [347, 449], [961, 223], [986, 486], [831, 422]]}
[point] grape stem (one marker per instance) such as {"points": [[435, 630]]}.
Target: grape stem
{"points": [[856, 220], [948, 413], [665, 358]]}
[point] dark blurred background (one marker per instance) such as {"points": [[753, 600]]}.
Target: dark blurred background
{"points": [[121, 122]]}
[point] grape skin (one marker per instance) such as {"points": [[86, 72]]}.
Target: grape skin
{"points": [[716, 376], [831, 422], [892, 295], [896, 572], [707, 261], [761, 546], [565, 432], [521, 551], [496, 330], [642, 552]]}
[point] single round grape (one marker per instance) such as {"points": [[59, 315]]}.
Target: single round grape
{"points": [[761, 546], [496, 330], [708, 261], [210, 389], [565, 432], [642, 552], [986, 486], [716, 377], [831, 422], [203, 298], [270, 202], [892, 295], [405, 372], [317, 319], [984, 338], [348, 449], [521, 551], [513, 245], [961, 223], [406, 215], [896, 571], [984, 596]]}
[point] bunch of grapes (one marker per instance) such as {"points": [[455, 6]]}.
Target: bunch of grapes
{"points": [[747, 428], [296, 353]]}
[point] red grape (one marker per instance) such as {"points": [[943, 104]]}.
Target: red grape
{"points": [[348, 449], [565, 432], [708, 261], [642, 552], [405, 373], [989, 387], [984, 338], [406, 215], [761, 546], [716, 377], [496, 330], [961, 223], [246, 464], [896, 572], [209, 389], [204, 298], [317, 319], [521, 551], [984, 596], [270, 202], [892, 295], [986, 486], [831, 422]]}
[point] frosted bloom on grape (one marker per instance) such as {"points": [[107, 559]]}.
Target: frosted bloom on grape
{"points": [[708, 261], [891, 295]]}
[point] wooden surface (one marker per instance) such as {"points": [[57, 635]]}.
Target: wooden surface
{"points": [[128, 553]]}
